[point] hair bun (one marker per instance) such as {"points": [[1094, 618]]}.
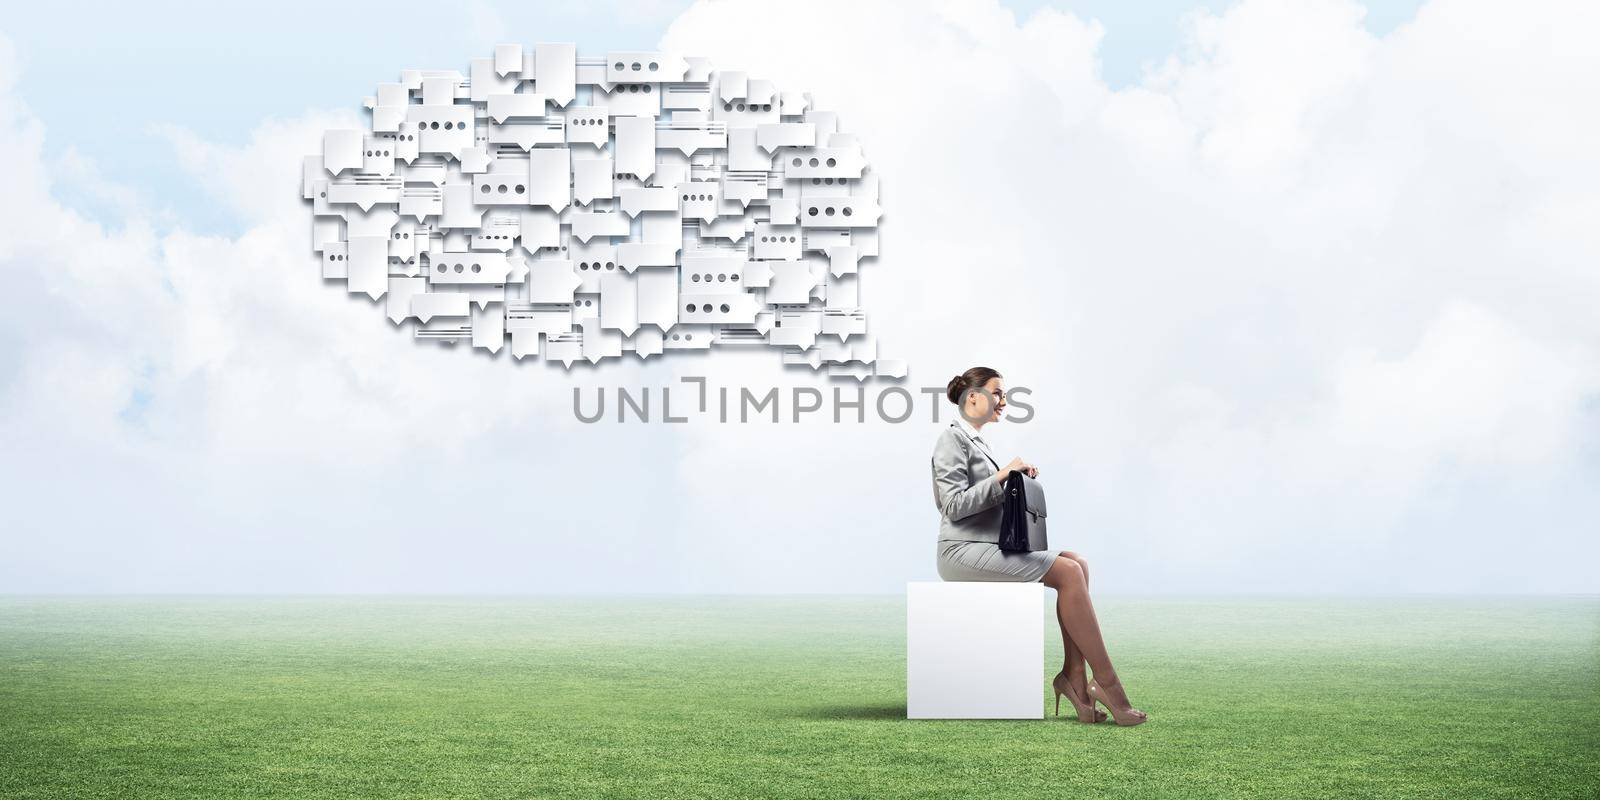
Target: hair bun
{"points": [[954, 388]]}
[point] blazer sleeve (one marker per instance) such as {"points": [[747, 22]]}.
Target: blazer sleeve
{"points": [[952, 488]]}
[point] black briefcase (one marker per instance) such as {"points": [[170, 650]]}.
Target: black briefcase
{"points": [[1022, 515]]}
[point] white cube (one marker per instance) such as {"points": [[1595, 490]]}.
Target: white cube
{"points": [[974, 650]]}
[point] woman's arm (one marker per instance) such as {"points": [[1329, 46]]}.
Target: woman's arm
{"points": [[952, 487]]}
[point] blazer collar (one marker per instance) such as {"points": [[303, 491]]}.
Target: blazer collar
{"points": [[965, 426], [971, 433]]}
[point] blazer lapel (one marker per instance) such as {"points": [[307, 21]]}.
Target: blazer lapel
{"points": [[980, 448]]}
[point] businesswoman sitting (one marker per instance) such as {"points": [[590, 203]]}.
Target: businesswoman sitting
{"points": [[968, 486]]}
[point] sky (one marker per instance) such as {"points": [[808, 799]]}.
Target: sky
{"points": [[285, 66], [1304, 293]]}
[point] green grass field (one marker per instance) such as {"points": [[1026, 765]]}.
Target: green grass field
{"points": [[780, 697]]}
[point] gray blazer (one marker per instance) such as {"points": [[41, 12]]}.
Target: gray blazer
{"points": [[964, 488]]}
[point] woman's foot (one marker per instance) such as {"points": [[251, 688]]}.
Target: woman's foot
{"points": [[1080, 684], [1116, 699], [1065, 684]]}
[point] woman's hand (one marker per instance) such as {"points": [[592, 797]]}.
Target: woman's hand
{"points": [[1016, 464]]}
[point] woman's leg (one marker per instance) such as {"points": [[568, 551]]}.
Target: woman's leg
{"points": [[1073, 664], [1076, 613], [1073, 668]]}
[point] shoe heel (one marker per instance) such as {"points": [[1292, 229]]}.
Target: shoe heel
{"points": [[1089, 718]]}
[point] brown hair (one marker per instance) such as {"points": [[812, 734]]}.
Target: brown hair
{"points": [[973, 378]]}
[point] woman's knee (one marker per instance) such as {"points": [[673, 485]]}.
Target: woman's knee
{"points": [[1064, 574]]}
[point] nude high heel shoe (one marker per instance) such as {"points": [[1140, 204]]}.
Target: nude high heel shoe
{"points": [[1086, 710], [1132, 716]]}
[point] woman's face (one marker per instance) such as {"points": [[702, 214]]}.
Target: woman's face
{"points": [[989, 403]]}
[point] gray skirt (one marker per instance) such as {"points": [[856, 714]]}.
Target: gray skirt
{"points": [[985, 561]]}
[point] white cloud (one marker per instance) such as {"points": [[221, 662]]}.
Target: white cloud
{"points": [[189, 412], [1274, 300], [1305, 310]]}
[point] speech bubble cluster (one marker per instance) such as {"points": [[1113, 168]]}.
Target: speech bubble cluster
{"points": [[583, 208]]}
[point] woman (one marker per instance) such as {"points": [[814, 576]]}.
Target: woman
{"points": [[968, 486]]}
